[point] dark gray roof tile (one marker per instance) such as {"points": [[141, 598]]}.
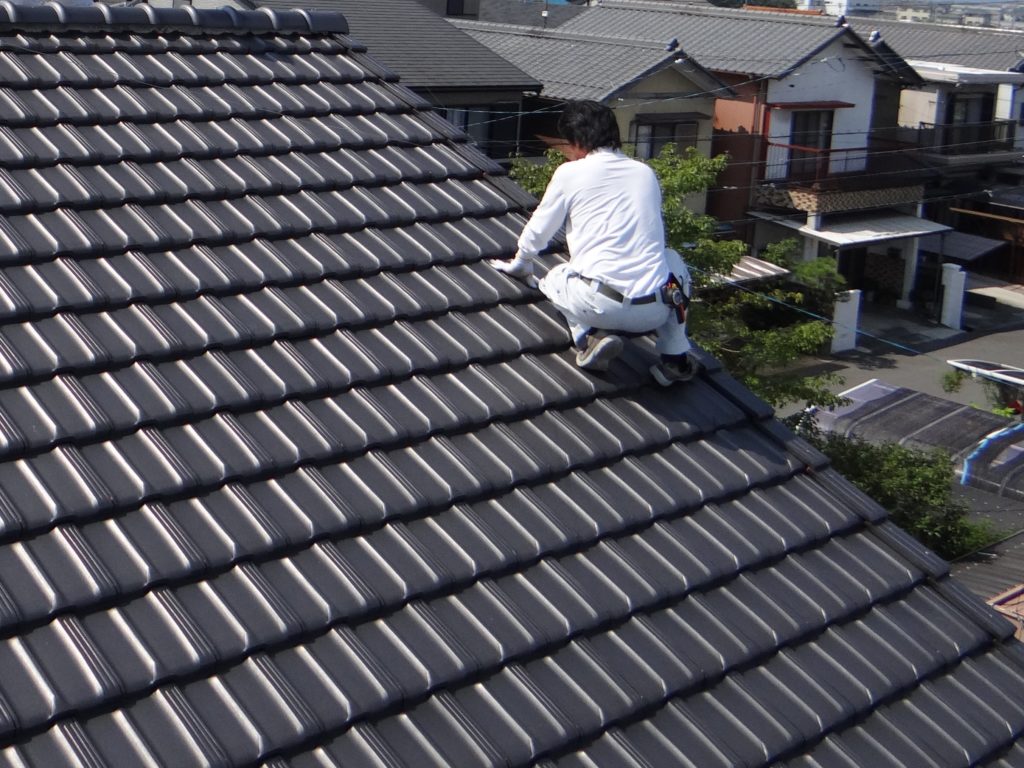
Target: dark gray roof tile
{"points": [[360, 743], [645, 742], [884, 742], [234, 731], [501, 730], [440, 731], [89, 582]]}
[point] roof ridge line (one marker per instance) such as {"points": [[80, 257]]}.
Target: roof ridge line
{"points": [[559, 33], [143, 16], [735, 14]]}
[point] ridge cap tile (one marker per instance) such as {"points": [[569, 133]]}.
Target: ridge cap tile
{"points": [[143, 18]]}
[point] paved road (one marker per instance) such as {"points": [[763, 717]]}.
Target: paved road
{"points": [[923, 372]]}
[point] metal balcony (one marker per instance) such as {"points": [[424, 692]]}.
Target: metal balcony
{"points": [[947, 139], [824, 180]]}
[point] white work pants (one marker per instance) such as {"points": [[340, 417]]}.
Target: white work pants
{"points": [[584, 308]]}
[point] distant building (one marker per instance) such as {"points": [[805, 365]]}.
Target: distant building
{"points": [[966, 121], [660, 94], [915, 13], [846, 7]]}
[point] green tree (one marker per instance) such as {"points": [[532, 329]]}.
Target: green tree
{"points": [[915, 486], [757, 334]]}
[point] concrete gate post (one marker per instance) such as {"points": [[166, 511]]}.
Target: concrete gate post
{"points": [[954, 280], [845, 315]]}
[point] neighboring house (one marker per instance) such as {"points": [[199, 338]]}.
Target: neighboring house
{"points": [[659, 96], [996, 575], [963, 116], [291, 476], [987, 449], [915, 13], [811, 93], [971, 102], [475, 89], [966, 121]]}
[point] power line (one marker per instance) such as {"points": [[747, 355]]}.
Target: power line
{"points": [[802, 214], [719, 280]]}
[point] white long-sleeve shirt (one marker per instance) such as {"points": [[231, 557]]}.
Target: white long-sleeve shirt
{"points": [[611, 207]]}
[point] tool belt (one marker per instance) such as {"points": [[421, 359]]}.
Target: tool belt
{"points": [[673, 295], [611, 293]]}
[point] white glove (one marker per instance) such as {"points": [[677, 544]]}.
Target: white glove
{"points": [[520, 268]]}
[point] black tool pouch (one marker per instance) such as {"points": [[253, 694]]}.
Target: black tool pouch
{"points": [[673, 295]]}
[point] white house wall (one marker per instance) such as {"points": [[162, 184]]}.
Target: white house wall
{"points": [[920, 106], [835, 74], [1010, 106], [928, 105], [837, 7]]}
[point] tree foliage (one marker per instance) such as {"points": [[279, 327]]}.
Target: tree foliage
{"points": [[915, 486], [758, 333]]}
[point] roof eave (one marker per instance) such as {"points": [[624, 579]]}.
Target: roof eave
{"points": [[701, 77]]}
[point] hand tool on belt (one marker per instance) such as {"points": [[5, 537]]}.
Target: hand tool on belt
{"points": [[673, 295]]}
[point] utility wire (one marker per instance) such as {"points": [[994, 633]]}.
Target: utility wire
{"points": [[720, 280], [802, 214]]}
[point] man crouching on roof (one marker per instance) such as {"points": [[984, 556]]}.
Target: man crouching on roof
{"points": [[620, 277]]}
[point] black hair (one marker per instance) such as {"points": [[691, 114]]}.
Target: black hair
{"points": [[589, 125]]}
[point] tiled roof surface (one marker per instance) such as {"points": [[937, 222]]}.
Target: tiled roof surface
{"points": [[429, 52], [573, 66], [526, 12], [290, 476], [723, 40], [964, 46], [995, 569]]}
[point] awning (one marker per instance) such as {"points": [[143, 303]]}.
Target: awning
{"points": [[751, 269], [960, 246], [876, 227], [810, 105]]}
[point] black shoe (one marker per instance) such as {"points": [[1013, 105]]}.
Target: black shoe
{"points": [[675, 370], [599, 352]]}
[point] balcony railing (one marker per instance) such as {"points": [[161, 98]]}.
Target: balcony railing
{"points": [[951, 138], [824, 180], [966, 138], [793, 162]]}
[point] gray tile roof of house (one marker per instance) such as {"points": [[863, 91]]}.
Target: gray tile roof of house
{"points": [[573, 66], [964, 46], [527, 12], [995, 569], [428, 51], [762, 43], [292, 477]]}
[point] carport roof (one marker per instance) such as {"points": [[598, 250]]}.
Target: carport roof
{"points": [[960, 246], [859, 229]]}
